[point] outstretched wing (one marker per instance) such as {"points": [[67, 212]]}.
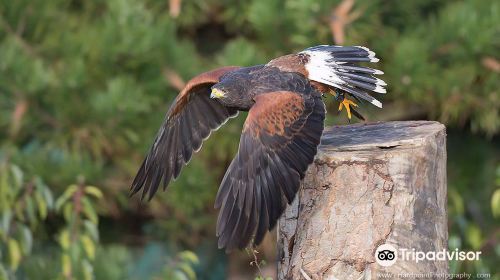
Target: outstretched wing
{"points": [[189, 121], [279, 141]]}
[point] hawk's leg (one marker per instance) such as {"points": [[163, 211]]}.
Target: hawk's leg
{"points": [[344, 102]]}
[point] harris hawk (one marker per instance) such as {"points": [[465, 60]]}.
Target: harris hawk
{"points": [[280, 135]]}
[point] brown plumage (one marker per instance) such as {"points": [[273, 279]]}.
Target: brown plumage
{"points": [[279, 141], [291, 63], [189, 121], [279, 138], [274, 112], [202, 81]]}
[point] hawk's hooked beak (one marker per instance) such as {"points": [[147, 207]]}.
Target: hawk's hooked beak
{"points": [[217, 93]]}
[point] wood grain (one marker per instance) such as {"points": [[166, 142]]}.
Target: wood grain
{"points": [[370, 184]]}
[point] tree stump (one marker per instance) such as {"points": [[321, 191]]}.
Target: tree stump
{"points": [[370, 184]]}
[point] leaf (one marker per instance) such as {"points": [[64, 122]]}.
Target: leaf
{"points": [[49, 198], [189, 257], [454, 242], [94, 191], [91, 229], [26, 239], [179, 275], [14, 253], [3, 273], [497, 181], [66, 265], [68, 212], [188, 270], [41, 205], [88, 270], [30, 211], [89, 211], [44, 191], [5, 222], [17, 175], [64, 239], [457, 202], [65, 196], [75, 253], [474, 236], [88, 246], [495, 203], [5, 201], [19, 211]]}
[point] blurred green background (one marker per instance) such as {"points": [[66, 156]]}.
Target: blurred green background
{"points": [[84, 85]]}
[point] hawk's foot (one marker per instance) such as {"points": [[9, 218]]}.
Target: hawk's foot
{"points": [[347, 103]]}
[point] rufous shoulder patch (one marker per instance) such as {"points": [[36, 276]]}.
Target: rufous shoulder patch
{"points": [[273, 112]]}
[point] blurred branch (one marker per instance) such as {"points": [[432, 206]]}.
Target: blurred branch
{"points": [[491, 241], [173, 78], [17, 116], [251, 250], [17, 35], [341, 17], [22, 21], [174, 7], [491, 63]]}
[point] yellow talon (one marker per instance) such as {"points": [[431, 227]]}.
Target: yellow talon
{"points": [[347, 103]]}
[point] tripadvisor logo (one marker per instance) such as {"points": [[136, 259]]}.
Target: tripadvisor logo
{"points": [[387, 255]]}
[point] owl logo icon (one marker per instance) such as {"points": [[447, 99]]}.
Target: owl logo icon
{"points": [[386, 255]]}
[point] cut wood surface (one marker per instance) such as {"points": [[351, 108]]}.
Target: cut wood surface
{"points": [[370, 184]]}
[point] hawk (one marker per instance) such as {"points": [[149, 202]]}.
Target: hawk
{"points": [[280, 135]]}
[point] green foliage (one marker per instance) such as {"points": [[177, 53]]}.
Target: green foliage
{"points": [[180, 268], [263, 278], [79, 238], [495, 198], [447, 65], [28, 203], [113, 263], [84, 85], [23, 205], [471, 201]]}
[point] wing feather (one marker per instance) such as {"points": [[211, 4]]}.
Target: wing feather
{"points": [[279, 141], [189, 121]]}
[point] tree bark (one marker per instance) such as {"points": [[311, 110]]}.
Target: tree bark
{"points": [[370, 184]]}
